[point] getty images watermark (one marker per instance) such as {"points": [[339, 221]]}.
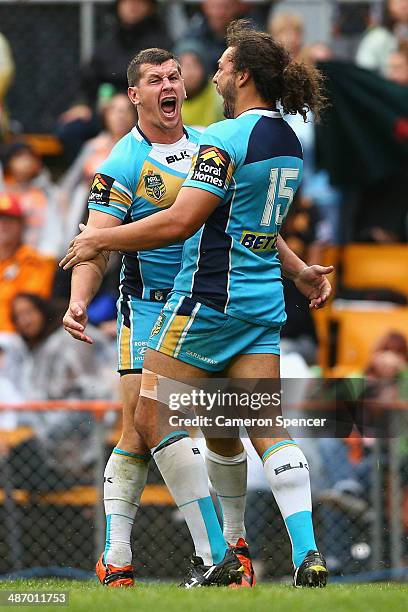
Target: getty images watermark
{"points": [[221, 402]]}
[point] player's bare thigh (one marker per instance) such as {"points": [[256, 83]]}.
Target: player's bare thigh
{"points": [[265, 365], [130, 439], [151, 417]]}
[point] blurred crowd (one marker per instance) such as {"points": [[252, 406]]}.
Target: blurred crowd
{"points": [[41, 207]]}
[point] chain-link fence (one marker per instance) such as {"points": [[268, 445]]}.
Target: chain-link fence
{"points": [[52, 519]]}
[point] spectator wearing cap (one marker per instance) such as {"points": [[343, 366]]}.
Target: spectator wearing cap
{"points": [[41, 200], [203, 105], [22, 268]]}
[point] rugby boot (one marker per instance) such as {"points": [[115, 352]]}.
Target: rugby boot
{"points": [[228, 571], [112, 576], [312, 572], [241, 551]]}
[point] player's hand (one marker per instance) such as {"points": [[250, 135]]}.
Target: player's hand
{"points": [[83, 247], [75, 320], [312, 281]]}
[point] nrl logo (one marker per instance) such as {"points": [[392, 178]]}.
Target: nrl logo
{"points": [[154, 185], [159, 296]]}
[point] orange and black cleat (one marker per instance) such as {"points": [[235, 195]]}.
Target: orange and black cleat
{"points": [[241, 550], [112, 576]]}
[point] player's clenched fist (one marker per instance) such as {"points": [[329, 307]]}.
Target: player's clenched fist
{"points": [[75, 321]]}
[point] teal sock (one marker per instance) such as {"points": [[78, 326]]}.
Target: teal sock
{"points": [[183, 470], [301, 533], [287, 473]]}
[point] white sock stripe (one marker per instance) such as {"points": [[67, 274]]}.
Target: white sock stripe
{"points": [[231, 496], [131, 518], [120, 499]]}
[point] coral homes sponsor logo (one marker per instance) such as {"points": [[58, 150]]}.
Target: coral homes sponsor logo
{"points": [[213, 154], [101, 189], [211, 166]]}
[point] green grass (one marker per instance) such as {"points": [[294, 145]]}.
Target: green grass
{"points": [[90, 597]]}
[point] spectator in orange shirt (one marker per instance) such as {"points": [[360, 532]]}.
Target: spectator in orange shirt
{"points": [[22, 268]]}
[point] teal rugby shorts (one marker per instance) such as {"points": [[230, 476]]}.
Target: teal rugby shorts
{"points": [[206, 338], [135, 321]]}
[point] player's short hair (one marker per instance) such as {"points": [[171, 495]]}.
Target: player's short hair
{"points": [[153, 56], [276, 76]]}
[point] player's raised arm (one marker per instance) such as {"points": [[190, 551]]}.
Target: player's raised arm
{"points": [[188, 213], [85, 282]]}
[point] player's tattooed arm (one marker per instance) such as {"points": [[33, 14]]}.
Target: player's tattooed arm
{"points": [[311, 281]]}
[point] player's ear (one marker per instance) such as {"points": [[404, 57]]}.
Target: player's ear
{"points": [[243, 78], [133, 93], [184, 88]]}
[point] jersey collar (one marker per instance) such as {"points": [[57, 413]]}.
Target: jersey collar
{"points": [[274, 114], [137, 132]]}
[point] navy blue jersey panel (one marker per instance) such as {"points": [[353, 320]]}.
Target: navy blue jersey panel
{"points": [[272, 138]]}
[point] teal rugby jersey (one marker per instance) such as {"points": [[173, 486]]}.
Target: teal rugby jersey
{"points": [[136, 180], [254, 163]]}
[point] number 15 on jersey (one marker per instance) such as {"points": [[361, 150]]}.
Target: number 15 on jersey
{"points": [[276, 208]]}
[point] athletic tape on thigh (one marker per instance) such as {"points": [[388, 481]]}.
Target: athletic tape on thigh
{"points": [[149, 384], [163, 389]]}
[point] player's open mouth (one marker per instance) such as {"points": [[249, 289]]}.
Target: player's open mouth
{"points": [[168, 107]]}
